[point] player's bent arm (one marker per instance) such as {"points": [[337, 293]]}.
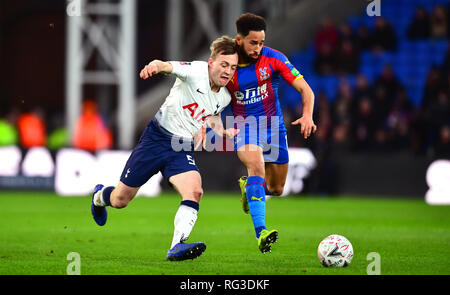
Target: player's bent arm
{"points": [[156, 67], [164, 67], [306, 121], [307, 95]]}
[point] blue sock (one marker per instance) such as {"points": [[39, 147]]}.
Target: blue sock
{"points": [[256, 198], [106, 195], [266, 189]]}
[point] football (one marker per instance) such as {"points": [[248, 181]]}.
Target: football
{"points": [[335, 251]]}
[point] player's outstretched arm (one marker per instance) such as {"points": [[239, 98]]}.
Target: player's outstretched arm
{"points": [[156, 67], [307, 126]]}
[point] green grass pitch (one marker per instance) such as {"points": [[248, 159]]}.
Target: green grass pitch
{"points": [[38, 231]]}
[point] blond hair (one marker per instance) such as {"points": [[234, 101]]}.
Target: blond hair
{"points": [[223, 45]]}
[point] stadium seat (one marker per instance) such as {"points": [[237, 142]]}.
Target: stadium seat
{"points": [[406, 45], [329, 85], [403, 73], [387, 57], [354, 22], [313, 82], [288, 95], [389, 12], [369, 72], [438, 51], [351, 80], [368, 21], [415, 93], [402, 59], [422, 46]]}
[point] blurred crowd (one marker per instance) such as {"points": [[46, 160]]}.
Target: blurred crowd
{"points": [[29, 128], [378, 116]]}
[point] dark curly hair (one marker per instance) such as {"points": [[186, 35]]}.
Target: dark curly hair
{"points": [[250, 22]]}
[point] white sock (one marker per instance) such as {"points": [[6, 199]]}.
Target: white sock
{"points": [[184, 222], [98, 198]]}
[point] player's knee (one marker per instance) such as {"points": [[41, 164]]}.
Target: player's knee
{"points": [[197, 194], [276, 190]]}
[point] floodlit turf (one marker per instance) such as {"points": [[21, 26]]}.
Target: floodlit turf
{"points": [[39, 230]]}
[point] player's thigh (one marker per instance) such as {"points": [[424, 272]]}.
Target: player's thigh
{"points": [[276, 177], [188, 184], [276, 150], [251, 155]]}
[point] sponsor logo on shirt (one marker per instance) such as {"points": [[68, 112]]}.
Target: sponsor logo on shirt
{"points": [[194, 112], [251, 95]]}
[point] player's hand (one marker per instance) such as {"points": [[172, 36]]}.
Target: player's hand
{"points": [[148, 71], [230, 133], [200, 138], [307, 126]]}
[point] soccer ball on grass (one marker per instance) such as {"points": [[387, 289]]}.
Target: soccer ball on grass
{"points": [[335, 251]]}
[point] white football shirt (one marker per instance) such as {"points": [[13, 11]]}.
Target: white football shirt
{"points": [[191, 99]]}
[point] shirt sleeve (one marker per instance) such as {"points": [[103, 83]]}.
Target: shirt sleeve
{"points": [[185, 69], [283, 66]]}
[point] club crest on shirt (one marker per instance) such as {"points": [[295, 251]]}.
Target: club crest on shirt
{"points": [[263, 74]]}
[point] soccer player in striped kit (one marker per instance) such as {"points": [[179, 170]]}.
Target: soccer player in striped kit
{"points": [[261, 144]]}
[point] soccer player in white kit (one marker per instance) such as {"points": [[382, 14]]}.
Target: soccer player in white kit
{"points": [[197, 97]]}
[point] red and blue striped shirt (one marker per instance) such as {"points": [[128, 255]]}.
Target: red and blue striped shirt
{"points": [[254, 87]]}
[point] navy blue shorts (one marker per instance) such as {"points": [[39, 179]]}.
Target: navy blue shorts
{"points": [[156, 152]]}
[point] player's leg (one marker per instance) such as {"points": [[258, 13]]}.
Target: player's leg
{"points": [[143, 163], [245, 141], [117, 197], [275, 178], [251, 156], [276, 163], [182, 173], [189, 185], [276, 167]]}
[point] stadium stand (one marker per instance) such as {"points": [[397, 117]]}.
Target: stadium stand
{"points": [[413, 60]]}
